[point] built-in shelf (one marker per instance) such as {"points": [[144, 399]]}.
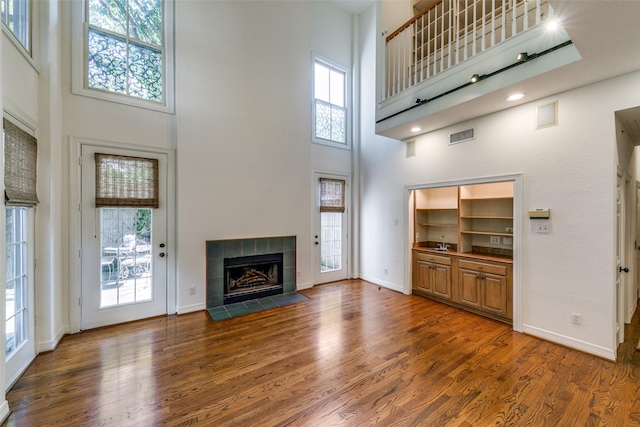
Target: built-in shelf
{"points": [[487, 233], [468, 216]]}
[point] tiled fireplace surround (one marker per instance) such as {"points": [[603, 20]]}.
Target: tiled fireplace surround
{"points": [[218, 250]]}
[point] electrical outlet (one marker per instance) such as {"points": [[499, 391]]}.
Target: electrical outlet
{"points": [[576, 318], [192, 290], [543, 228], [495, 239]]}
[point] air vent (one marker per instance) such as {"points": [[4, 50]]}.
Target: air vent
{"points": [[465, 135]]}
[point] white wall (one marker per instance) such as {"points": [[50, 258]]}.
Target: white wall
{"points": [[569, 168]]}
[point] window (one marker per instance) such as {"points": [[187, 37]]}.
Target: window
{"points": [[330, 112], [16, 278], [20, 149], [332, 206], [15, 15], [128, 46]]}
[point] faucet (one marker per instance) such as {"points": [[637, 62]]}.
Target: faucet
{"points": [[443, 245]]}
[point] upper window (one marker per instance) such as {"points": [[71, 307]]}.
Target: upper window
{"points": [[15, 15], [330, 110], [127, 50]]}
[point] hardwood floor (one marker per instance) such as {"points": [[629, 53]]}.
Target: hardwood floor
{"points": [[353, 355]]}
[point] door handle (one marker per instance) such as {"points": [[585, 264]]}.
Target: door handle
{"points": [[625, 269], [161, 254]]}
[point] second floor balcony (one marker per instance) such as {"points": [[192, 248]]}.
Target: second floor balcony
{"points": [[436, 53]]}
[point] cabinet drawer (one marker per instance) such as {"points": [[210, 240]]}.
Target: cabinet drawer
{"points": [[421, 256], [482, 267]]}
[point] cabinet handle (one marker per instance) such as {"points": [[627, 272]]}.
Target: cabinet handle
{"points": [[625, 269]]}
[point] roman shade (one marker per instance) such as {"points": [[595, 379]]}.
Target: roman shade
{"points": [[20, 153], [123, 181], [332, 195]]}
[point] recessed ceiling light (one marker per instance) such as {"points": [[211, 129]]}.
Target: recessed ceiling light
{"points": [[553, 24], [515, 97], [416, 129]]}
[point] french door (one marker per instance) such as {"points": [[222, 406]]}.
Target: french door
{"points": [[124, 268], [331, 231], [20, 317]]}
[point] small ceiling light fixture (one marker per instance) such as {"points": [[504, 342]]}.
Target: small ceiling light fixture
{"points": [[522, 56], [416, 129], [515, 97], [553, 23], [475, 78]]}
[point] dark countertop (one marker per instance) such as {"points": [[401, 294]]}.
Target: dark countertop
{"points": [[471, 255]]}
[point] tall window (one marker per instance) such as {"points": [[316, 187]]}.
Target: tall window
{"points": [[16, 277], [127, 48], [15, 15], [332, 206], [20, 153], [330, 104]]}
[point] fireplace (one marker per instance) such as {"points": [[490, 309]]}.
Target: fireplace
{"points": [[251, 277], [229, 258]]}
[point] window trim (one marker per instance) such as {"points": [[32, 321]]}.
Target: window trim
{"points": [[34, 45], [80, 48], [347, 102]]}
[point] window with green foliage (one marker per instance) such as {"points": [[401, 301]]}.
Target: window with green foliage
{"points": [[126, 47], [15, 15]]}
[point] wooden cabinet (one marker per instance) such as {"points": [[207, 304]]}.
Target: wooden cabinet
{"points": [[481, 286], [432, 275], [485, 286]]}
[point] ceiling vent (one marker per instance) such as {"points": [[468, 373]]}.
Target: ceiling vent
{"points": [[465, 135]]}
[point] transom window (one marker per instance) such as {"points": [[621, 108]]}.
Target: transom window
{"points": [[15, 15], [126, 47], [330, 104]]}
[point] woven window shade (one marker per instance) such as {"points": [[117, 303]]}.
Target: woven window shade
{"points": [[331, 195], [123, 181], [20, 153]]}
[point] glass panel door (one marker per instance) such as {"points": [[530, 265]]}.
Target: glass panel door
{"points": [[19, 321], [125, 236]]}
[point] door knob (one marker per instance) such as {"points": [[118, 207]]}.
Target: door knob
{"points": [[161, 254]]}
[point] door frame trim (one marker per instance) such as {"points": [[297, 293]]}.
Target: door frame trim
{"points": [[75, 238], [315, 265]]}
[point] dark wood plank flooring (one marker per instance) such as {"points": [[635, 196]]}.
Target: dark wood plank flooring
{"points": [[353, 355]]}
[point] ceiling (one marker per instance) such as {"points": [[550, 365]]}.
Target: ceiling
{"points": [[605, 33]]}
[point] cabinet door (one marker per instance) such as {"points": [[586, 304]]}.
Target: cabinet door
{"points": [[441, 280], [469, 287], [423, 277], [494, 294]]}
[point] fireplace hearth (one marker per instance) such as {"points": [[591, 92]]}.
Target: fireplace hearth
{"points": [[251, 277]]}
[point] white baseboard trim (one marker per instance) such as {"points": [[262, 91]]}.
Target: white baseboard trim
{"points": [[301, 286], [586, 347], [388, 285], [52, 344], [4, 411], [191, 308]]}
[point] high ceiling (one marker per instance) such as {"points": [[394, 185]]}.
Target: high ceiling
{"points": [[605, 33]]}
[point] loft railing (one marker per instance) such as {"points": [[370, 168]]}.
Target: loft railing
{"points": [[452, 31]]}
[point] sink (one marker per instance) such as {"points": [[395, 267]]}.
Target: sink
{"points": [[439, 249]]}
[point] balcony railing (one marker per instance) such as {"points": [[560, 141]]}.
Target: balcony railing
{"points": [[452, 31]]}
